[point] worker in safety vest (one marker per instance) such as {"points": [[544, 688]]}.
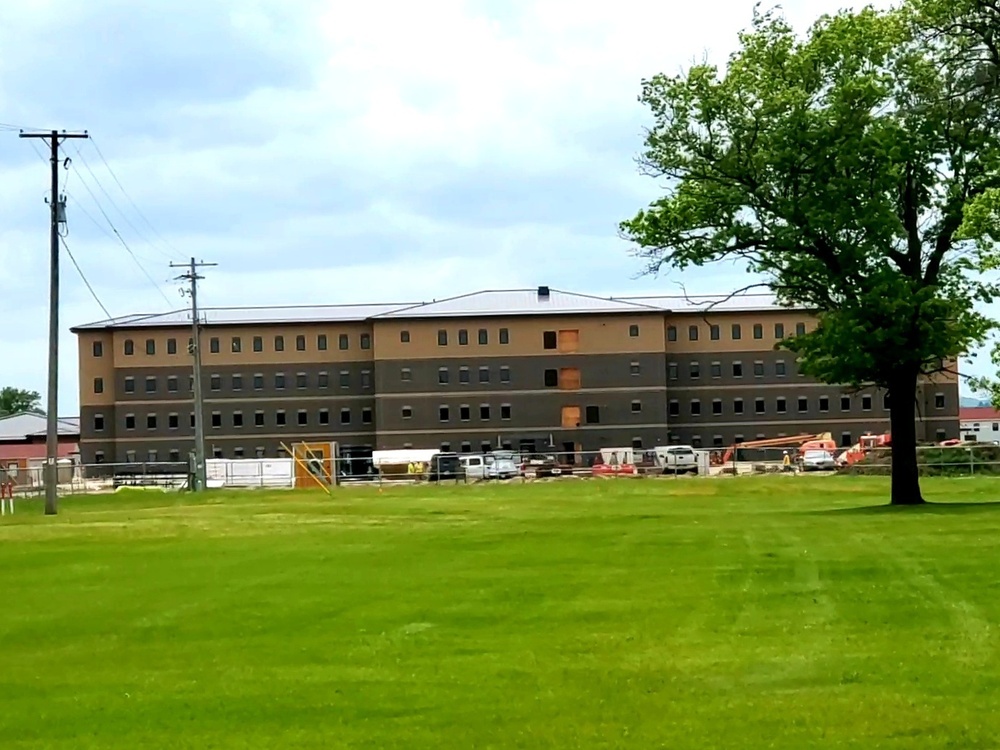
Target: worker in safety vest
{"points": [[787, 461]]}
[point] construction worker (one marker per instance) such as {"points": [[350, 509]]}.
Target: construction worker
{"points": [[786, 461]]}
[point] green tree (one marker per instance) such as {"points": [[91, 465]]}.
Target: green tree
{"points": [[854, 169], [15, 401]]}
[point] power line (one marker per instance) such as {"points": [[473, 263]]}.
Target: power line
{"points": [[119, 236], [129, 198], [84, 277]]}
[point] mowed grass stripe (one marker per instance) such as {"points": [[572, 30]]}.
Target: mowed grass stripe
{"points": [[782, 612]]}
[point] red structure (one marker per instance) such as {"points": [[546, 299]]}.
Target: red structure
{"points": [[22, 446]]}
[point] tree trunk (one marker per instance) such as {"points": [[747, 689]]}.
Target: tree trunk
{"points": [[902, 425]]}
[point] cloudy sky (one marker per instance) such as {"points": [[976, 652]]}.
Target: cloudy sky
{"points": [[325, 151]]}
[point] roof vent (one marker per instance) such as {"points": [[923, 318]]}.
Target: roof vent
{"points": [[543, 292]]}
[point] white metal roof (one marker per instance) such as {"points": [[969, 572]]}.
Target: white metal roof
{"points": [[710, 303], [518, 302], [21, 426], [249, 315]]}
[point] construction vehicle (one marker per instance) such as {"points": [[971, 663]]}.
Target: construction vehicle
{"points": [[861, 448], [802, 443]]}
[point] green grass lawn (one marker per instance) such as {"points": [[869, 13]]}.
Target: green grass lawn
{"points": [[734, 613]]}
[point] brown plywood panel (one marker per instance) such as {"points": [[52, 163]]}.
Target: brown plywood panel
{"points": [[569, 378], [569, 341], [570, 417]]}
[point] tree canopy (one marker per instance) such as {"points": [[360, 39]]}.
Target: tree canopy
{"points": [[856, 170], [15, 401]]}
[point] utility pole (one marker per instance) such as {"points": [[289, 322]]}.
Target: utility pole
{"points": [[57, 207], [192, 277]]}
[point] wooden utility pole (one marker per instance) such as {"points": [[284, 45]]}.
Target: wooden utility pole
{"points": [[192, 277], [57, 207]]}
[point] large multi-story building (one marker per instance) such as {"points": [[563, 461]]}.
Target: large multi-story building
{"points": [[532, 369]]}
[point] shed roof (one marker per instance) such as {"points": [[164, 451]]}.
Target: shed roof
{"points": [[21, 426]]}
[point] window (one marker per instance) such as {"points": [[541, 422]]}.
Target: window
{"points": [[845, 403], [866, 403], [633, 331], [258, 419], [237, 345], [713, 332], [366, 341], [694, 369], [216, 419], [98, 422], [737, 369], [445, 447], [151, 456], [886, 404], [303, 417], [674, 408], [695, 408], [345, 415], [150, 347], [504, 411], [443, 414], [343, 342], [404, 337], [98, 385], [758, 331], [504, 336], [213, 345], [345, 379], [758, 369], [129, 385], [279, 343], [716, 369], [175, 455], [484, 412], [258, 381], [824, 404], [366, 415], [237, 419], [442, 338], [258, 343], [279, 418], [130, 457], [171, 346], [634, 368], [237, 382], [129, 348], [845, 440], [717, 441], [484, 336], [758, 405], [803, 404], [504, 374], [779, 368], [717, 407], [300, 343], [130, 421], [151, 384], [779, 405], [940, 435], [779, 330], [98, 349], [593, 415], [191, 419], [551, 378], [484, 374], [466, 447], [692, 333], [172, 383], [671, 333], [463, 375], [672, 370], [215, 382], [406, 375], [324, 416], [800, 329], [279, 380], [366, 379], [938, 400], [301, 380], [463, 337], [737, 406], [549, 340], [696, 441], [737, 332], [443, 375], [237, 453], [406, 412]]}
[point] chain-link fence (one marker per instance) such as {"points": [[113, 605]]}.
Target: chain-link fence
{"points": [[419, 467]]}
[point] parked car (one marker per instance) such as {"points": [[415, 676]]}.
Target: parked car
{"points": [[501, 465], [677, 458], [444, 466], [818, 461], [540, 465]]}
